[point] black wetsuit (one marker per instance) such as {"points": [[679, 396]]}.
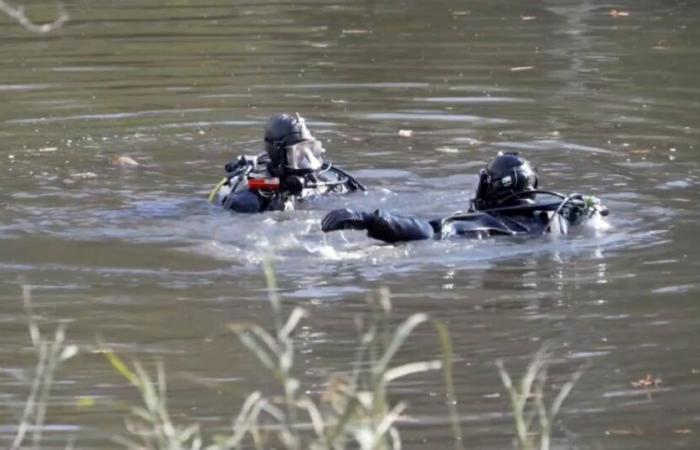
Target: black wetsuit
{"points": [[523, 218]]}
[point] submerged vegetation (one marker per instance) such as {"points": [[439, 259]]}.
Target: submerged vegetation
{"points": [[353, 412]]}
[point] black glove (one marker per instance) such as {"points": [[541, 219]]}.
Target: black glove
{"points": [[346, 219], [242, 161]]}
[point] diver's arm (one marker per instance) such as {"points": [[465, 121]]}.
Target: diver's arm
{"points": [[379, 224], [394, 228]]}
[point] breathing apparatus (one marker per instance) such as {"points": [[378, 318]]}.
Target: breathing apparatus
{"points": [[290, 146], [236, 172], [509, 184], [294, 160]]}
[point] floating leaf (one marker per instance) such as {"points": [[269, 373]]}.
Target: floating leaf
{"points": [[84, 175], [647, 381], [625, 432], [125, 161], [617, 13]]}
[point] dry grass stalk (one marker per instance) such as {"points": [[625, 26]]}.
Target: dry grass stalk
{"points": [[150, 424], [50, 355], [354, 412], [528, 401]]}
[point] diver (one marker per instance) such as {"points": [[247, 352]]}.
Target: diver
{"points": [[505, 203], [293, 168]]}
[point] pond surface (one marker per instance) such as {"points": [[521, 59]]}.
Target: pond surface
{"points": [[602, 103]]}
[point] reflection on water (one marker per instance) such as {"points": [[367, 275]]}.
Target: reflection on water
{"points": [[601, 104]]}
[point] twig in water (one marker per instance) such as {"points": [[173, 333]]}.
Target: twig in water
{"points": [[17, 14]]}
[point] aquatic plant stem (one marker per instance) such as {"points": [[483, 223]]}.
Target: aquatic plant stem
{"points": [[447, 361]]}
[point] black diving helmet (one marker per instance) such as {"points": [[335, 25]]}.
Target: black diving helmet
{"points": [[505, 181], [291, 147]]}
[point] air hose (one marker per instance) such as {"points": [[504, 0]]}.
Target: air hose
{"points": [[216, 188]]}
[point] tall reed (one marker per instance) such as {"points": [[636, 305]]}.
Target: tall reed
{"points": [[533, 418], [51, 353], [354, 412]]}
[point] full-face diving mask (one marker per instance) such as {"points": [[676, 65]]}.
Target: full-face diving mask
{"points": [[305, 156], [291, 147]]}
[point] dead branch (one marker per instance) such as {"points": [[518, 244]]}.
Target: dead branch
{"points": [[17, 14]]}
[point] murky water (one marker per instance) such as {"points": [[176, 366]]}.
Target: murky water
{"points": [[135, 256]]}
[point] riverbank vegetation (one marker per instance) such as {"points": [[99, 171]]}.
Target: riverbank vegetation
{"points": [[354, 411]]}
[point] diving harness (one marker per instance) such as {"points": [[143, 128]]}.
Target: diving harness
{"points": [[574, 207], [251, 172]]}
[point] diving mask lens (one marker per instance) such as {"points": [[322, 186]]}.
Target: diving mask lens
{"points": [[306, 155]]}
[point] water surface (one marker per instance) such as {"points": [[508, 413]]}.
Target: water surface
{"points": [[135, 256]]}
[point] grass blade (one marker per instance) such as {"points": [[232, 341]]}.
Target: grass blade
{"points": [[446, 348], [402, 333]]}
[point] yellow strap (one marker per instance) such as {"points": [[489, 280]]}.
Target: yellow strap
{"points": [[216, 188]]}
